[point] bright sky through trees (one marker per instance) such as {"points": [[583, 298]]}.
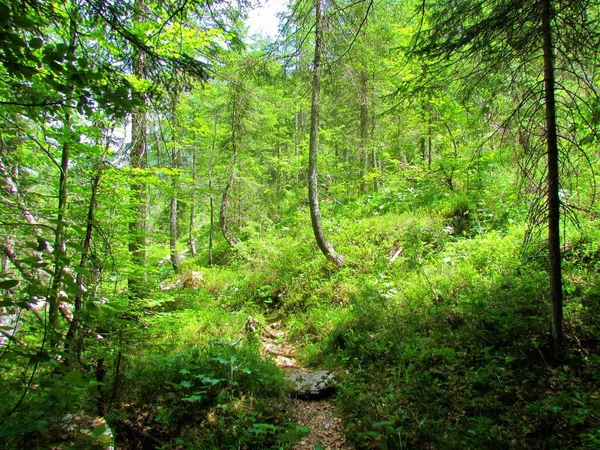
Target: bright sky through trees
{"points": [[263, 19]]}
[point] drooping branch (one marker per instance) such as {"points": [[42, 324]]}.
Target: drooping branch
{"points": [[11, 337], [13, 191]]}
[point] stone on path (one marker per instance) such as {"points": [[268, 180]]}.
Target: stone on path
{"points": [[312, 385]]}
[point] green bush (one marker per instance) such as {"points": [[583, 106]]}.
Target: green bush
{"points": [[222, 395]]}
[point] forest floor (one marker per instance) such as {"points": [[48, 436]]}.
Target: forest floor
{"points": [[327, 430]]}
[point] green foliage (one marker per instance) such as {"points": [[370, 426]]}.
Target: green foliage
{"points": [[220, 395], [58, 391], [461, 356]]}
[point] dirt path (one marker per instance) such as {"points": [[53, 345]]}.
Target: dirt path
{"points": [[327, 429]]}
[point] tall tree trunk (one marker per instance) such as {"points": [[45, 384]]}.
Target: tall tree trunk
{"points": [[60, 251], [426, 113], [211, 200], [192, 239], [224, 221], [376, 164], [138, 159], [313, 148], [279, 177], [175, 258], [9, 242], [429, 142], [74, 328], [211, 196], [364, 118], [297, 140], [554, 255]]}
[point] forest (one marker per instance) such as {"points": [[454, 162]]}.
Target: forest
{"points": [[396, 199]]}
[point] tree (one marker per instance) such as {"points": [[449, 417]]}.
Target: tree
{"points": [[514, 35], [138, 158], [313, 149], [175, 165], [60, 251], [236, 129]]}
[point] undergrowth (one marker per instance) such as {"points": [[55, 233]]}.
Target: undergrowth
{"points": [[438, 327]]}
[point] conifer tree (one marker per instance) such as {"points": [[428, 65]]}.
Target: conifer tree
{"points": [[513, 35]]}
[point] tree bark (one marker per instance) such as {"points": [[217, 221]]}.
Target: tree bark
{"points": [[554, 255], [223, 219], [192, 239], [211, 200], [9, 241], [313, 149], [377, 166], [138, 159], [60, 251], [59, 239], [11, 337], [75, 326], [297, 140], [175, 258], [364, 115], [211, 197], [429, 140]]}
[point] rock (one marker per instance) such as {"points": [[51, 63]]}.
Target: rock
{"points": [[177, 284], [278, 349], [270, 332], [251, 325], [312, 385], [285, 362], [191, 280]]}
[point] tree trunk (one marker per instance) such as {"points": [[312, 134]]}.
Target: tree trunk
{"points": [[175, 258], [429, 142], [211, 200], [9, 242], [60, 251], [297, 140], [376, 164], [313, 149], [554, 256], [73, 333], [192, 239], [224, 223], [364, 114], [138, 159], [279, 177]]}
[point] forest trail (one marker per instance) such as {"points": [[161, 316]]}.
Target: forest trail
{"points": [[327, 430]]}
